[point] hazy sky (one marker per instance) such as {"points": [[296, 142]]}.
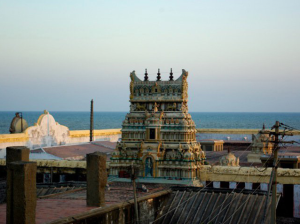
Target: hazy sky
{"points": [[242, 56]]}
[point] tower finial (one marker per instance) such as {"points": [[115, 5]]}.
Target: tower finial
{"points": [[146, 75], [171, 75], [158, 75]]}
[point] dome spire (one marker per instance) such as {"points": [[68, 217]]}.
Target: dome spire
{"points": [[171, 75], [158, 75], [146, 75]]}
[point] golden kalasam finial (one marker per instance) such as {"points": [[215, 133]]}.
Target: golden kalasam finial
{"points": [[158, 75], [146, 75], [171, 75]]}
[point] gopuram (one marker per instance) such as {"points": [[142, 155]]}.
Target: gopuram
{"points": [[158, 135], [262, 144]]}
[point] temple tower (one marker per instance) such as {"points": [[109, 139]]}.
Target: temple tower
{"points": [[158, 135]]}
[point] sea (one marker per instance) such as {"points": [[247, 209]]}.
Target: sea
{"points": [[110, 120]]}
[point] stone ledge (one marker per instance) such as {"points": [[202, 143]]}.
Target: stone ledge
{"points": [[249, 171], [54, 163], [20, 137], [248, 174], [24, 137], [86, 133], [234, 131]]}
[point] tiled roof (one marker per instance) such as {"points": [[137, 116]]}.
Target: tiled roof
{"points": [[42, 156], [118, 192], [46, 191], [42, 192], [212, 206], [78, 152]]}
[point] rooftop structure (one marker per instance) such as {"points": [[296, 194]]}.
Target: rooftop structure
{"points": [[18, 124]]}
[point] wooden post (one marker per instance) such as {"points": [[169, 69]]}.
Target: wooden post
{"points": [[96, 179], [133, 177], [17, 153], [21, 193]]}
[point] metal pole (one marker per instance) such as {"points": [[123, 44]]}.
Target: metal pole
{"points": [[274, 184], [133, 177], [51, 171], [268, 195], [21, 122], [92, 121]]}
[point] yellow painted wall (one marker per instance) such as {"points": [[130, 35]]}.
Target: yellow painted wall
{"points": [[20, 137], [23, 137], [86, 133]]}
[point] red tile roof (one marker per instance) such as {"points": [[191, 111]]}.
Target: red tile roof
{"points": [[78, 152]]}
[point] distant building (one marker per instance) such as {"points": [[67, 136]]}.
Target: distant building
{"points": [[18, 124], [262, 144], [158, 135]]}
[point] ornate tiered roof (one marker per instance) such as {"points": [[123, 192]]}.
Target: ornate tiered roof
{"points": [[158, 133], [159, 91]]}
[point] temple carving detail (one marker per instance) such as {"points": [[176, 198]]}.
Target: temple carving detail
{"points": [[158, 135]]}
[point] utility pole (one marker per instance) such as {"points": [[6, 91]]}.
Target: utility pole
{"points": [[92, 121], [275, 166], [133, 177], [273, 177]]}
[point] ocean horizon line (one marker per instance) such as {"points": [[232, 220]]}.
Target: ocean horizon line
{"points": [[84, 111]]}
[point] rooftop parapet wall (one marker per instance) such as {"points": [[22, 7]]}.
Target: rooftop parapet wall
{"points": [[86, 133], [76, 136], [234, 131], [20, 137], [248, 174], [237, 134], [57, 164], [207, 172], [23, 137]]}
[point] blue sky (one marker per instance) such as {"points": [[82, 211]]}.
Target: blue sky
{"points": [[242, 56]]}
